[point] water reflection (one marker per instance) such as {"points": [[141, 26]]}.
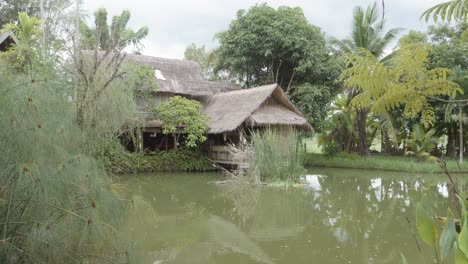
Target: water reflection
{"points": [[344, 217]]}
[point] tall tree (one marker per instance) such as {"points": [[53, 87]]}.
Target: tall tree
{"points": [[207, 60], [267, 45], [447, 51], [113, 37], [405, 81], [9, 10], [106, 83], [367, 33], [264, 45]]}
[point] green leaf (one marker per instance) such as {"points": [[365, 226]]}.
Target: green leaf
{"points": [[426, 226], [463, 239], [463, 209], [403, 259], [448, 237], [460, 258]]}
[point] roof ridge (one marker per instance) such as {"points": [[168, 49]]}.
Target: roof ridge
{"points": [[247, 90]]}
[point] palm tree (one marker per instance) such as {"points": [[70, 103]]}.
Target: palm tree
{"points": [[26, 30], [367, 33]]}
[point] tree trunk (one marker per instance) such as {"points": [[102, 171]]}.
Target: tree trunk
{"points": [[386, 144], [361, 118], [451, 142]]}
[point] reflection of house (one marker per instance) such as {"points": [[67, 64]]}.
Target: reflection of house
{"points": [[7, 39], [233, 111]]}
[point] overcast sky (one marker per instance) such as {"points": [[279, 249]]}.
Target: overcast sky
{"points": [[174, 24]]}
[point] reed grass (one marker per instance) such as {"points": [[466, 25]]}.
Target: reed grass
{"points": [[56, 203], [276, 157]]}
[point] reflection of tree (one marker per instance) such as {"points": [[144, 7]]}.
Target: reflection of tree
{"points": [[182, 231], [362, 219], [353, 218], [371, 216]]}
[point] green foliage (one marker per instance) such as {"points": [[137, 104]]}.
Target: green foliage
{"points": [[27, 30], [264, 45], [106, 105], [426, 225], [182, 113], [207, 61], [340, 127], [413, 37], [450, 240], [454, 9], [367, 33], [407, 80], [276, 157], [24, 54], [117, 161], [111, 37], [56, 203], [447, 50], [422, 143], [367, 36], [447, 238], [9, 10], [329, 148], [314, 101], [107, 83]]}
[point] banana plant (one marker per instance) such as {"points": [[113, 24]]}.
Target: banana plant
{"points": [[422, 143]]}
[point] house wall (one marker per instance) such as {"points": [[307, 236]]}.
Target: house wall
{"points": [[154, 99]]}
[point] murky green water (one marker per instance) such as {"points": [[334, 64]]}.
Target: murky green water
{"points": [[347, 216]]}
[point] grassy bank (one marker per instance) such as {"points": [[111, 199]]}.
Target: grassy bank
{"points": [[386, 163]]}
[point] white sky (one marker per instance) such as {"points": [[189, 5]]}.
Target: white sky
{"points": [[174, 24]]}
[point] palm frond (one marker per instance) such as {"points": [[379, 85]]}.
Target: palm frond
{"points": [[456, 10]]}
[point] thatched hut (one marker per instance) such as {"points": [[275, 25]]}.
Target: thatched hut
{"points": [[233, 112]]}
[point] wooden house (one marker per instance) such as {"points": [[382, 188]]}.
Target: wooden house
{"points": [[233, 112]]}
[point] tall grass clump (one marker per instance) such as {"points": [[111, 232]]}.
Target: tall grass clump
{"points": [[56, 203], [276, 157]]}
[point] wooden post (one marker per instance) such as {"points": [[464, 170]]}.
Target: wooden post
{"points": [[165, 138], [175, 141], [140, 144]]}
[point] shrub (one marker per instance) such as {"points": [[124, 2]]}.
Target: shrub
{"points": [[120, 162]]}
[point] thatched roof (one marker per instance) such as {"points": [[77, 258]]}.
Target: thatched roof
{"points": [[227, 105], [230, 110], [6, 39], [275, 115], [182, 76], [178, 76]]}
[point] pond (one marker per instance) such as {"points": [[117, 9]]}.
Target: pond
{"points": [[346, 216]]}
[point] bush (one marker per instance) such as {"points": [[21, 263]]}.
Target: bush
{"points": [[118, 161], [330, 149]]}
